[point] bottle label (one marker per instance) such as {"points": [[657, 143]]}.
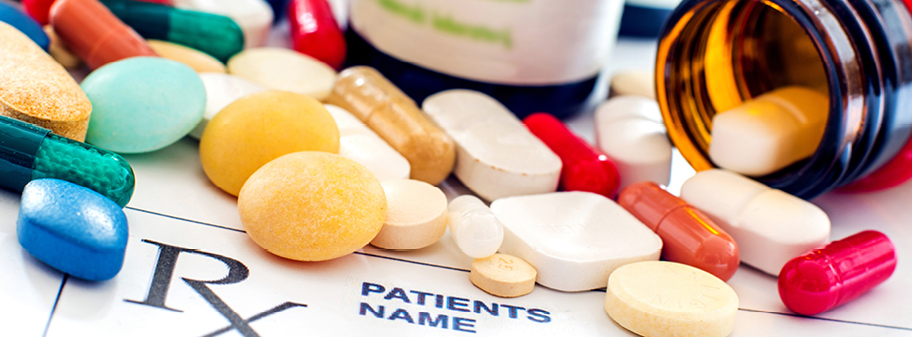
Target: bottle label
{"points": [[512, 42]]}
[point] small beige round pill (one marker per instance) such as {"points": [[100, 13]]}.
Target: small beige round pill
{"points": [[658, 298], [416, 215], [503, 275]]}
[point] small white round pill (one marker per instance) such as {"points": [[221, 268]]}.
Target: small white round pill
{"points": [[284, 70], [474, 227], [629, 130], [503, 275], [415, 215]]}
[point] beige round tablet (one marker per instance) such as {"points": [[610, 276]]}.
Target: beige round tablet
{"points": [[503, 275], [633, 82], [285, 70], [415, 215], [195, 59], [658, 298]]}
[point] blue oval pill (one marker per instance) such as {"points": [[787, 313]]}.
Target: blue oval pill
{"points": [[72, 228], [28, 26]]}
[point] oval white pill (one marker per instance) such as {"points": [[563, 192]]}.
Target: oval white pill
{"points": [[359, 143], [253, 16], [415, 215], [474, 227], [770, 226], [633, 82], [769, 132], [284, 70], [629, 130], [496, 156], [222, 90], [574, 239], [659, 298], [503, 275]]}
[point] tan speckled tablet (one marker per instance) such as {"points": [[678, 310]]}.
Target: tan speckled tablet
{"points": [[415, 216], [658, 298], [199, 61], [36, 89], [503, 275]]}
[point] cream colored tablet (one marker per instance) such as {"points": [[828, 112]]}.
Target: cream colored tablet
{"points": [[359, 143], [633, 82], [221, 90], [503, 275], [770, 226], [574, 239], [253, 16], [769, 132], [415, 215], [199, 61], [284, 70], [496, 156], [659, 298], [629, 130]]}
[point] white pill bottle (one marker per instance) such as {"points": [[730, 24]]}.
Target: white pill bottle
{"points": [[531, 55]]}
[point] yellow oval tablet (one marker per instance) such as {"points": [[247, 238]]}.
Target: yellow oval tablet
{"points": [[658, 298], [260, 127], [199, 61], [312, 206], [503, 275], [416, 215]]}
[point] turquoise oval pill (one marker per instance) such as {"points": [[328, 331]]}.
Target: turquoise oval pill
{"points": [[72, 228], [143, 104]]}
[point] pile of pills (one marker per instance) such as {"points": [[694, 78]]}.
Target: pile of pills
{"points": [[324, 163]]}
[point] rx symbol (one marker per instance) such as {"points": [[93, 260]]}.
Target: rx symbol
{"points": [[237, 272]]}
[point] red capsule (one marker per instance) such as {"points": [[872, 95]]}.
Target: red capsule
{"points": [[585, 168], [314, 31], [38, 9], [840, 272], [688, 235], [94, 34]]}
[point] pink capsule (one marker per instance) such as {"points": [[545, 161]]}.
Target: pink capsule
{"points": [[584, 167], [314, 31], [840, 272]]}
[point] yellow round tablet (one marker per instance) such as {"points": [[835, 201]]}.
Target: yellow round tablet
{"points": [[312, 206], [658, 298], [260, 127], [503, 275], [416, 215], [195, 59]]}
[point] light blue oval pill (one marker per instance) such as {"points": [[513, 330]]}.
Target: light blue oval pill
{"points": [[143, 104], [72, 228]]}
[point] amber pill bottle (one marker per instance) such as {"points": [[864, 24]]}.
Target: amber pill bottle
{"points": [[713, 55]]}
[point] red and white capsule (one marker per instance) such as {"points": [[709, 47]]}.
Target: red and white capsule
{"points": [[314, 31], [584, 167]]}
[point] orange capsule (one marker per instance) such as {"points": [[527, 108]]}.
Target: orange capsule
{"points": [[94, 34], [688, 235]]}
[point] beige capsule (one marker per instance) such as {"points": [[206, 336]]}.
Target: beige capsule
{"points": [[36, 89], [394, 116]]}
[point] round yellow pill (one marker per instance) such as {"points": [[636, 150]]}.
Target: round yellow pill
{"points": [[312, 206], [503, 275], [199, 61], [260, 127], [658, 298]]}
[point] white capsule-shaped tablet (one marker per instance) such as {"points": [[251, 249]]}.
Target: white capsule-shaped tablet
{"points": [[496, 156], [633, 82], [474, 227], [574, 239], [770, 226], [629, 130], [284, 70], [770, 132], [222, 90], [416, 215], [359, 143], [253, 16]]}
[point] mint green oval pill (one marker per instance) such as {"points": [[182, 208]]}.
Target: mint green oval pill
{"points": [[143, 104]]}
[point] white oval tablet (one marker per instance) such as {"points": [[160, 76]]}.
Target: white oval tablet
{"points": [[770, 226], [659, 298], [629, 130], [474, 227], [574, 239], [415, 215], [633, 82], [222, 90], [253, 16], [496, 156], [359, 143], [284, 70]]}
